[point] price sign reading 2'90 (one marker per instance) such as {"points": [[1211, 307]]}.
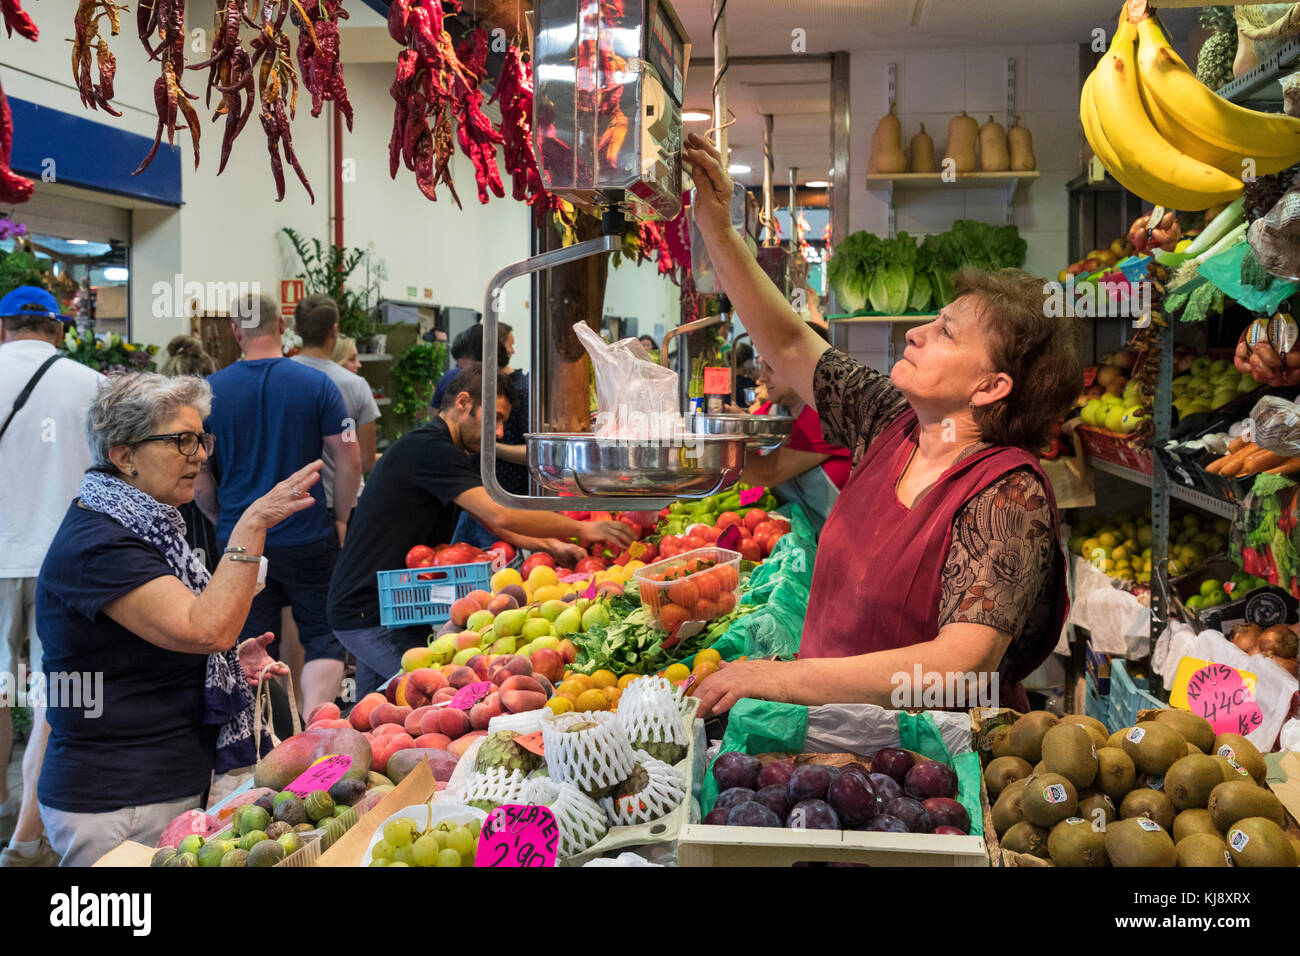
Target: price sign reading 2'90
{"points": [[515, 835]]}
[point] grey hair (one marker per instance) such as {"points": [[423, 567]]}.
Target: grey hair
{"points": [[129, 408], [256, 314]]}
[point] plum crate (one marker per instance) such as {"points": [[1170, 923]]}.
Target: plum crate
{"points": [[1117, 448], [416, 596]]}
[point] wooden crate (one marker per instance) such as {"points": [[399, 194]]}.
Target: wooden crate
{"points": [[700, 845]]}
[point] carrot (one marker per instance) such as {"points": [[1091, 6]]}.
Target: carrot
{"points": [[1262, 460], [1233, 463], [1290, 467], [1236, 445]]}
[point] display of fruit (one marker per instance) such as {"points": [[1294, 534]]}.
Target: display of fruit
{"points": [[445, 844], [1209, 385], [1098, 259], [1120, 544], [697, 585], [1163, 134]]}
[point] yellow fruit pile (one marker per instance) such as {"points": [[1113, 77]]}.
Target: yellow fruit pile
{"points": [[1120, 544]]}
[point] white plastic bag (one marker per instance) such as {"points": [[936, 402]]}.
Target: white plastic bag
{"points": [[635, 397]]}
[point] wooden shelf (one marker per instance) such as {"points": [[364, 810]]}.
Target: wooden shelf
{"points": [[909, 181]]}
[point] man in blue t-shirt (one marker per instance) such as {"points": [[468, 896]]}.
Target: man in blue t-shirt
{"points": [[270, 418]]}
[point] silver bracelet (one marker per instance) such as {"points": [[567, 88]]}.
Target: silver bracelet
{"points": [[244, 558]]}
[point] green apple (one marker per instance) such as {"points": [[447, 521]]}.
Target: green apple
{"points": [[553, 609], [1223, 397], [1209, 586], [598, 613], [479, 621], [509, 623], [1201, 366], [569, 622], [444, 649], [1246, 384], [1090, 412], [535, 627]]}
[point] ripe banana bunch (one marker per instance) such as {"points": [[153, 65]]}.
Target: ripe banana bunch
{"points": [[1166, 136]]}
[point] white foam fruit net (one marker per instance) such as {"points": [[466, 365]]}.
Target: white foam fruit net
{"points": [[594, 758], [662, 792], [495, 786], [650, 711], [580, 821]]}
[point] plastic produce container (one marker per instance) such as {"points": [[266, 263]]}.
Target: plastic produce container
{"points": [[695, 585]]}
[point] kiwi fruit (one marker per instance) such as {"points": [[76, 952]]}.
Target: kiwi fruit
{"points": [[1231, 770], [1154, 746], [1007, 811], [1091, 724], [1117, 738], [1190, 780], [997, 741], [1193, 749], [1116, 774], [1026, 737], [1202, 849], [1139, 842], [1152, 804], [1238, 799], [1048, 799], [1002, 771], [1040, 768], [1244, 752], [1196, 820], [1076, 842], [1068, 749], [1150, 781], [1024, 837], [1094, 806], [1257, 841], [1195, 730]]}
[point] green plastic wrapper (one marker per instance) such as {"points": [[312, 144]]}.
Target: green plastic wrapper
{"points": [[1224, 270], [761, 726]]}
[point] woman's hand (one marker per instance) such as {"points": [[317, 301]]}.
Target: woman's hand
{"points": [[614, 532], [764, 680], [287, 498], [711, 206], [253, 658]]}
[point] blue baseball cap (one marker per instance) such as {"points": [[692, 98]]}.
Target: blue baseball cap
{"points": [[31, 300]]}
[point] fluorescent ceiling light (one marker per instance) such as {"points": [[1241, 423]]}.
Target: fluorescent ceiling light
{"points": [[817, 184], [78, 242], [695, 116], [738, 169], [116, 274]]}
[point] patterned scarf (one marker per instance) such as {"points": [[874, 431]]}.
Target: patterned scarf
{"points": [[226, 700]]}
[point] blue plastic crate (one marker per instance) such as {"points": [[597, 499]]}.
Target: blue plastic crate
{"points": [[1097, 705], [424, 595], [1128, 696]]}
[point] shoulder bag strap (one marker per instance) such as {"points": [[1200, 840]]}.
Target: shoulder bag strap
{"points": [[21, 400]]}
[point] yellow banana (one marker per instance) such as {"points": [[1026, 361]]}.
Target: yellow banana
{"points": [[1272, 140], [1148, 164]]}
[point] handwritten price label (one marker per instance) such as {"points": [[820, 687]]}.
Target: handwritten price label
{"points": [[750, 495], [470, 694], [1218, 693], [515, 835], [717, 381], [321, 775], [532, 743]]}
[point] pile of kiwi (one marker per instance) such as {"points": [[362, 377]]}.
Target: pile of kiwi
{"points": [[1165, 792]]}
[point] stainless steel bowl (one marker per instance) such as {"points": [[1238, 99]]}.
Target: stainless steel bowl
{"points": [[763, 432], [690, 465]]}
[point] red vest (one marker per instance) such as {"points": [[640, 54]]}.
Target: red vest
{"points": [[877, 581]]}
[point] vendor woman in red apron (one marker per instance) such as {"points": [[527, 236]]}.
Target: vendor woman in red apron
{"points": [[942, 552]]}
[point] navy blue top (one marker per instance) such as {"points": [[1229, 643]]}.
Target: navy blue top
{"points": [[136, 737], [441, 387], [270, 418]]}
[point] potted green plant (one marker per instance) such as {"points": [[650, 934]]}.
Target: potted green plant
{"points": [[327, 269]]}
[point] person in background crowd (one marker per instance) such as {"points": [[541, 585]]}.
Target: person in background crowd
{"points": [[649, 343], [345, 354], [807, 469], [272, 416], [43, 453], [317, 320], [466, 351], [744, 372], [413, 497], [122, 596], [185, 356]]}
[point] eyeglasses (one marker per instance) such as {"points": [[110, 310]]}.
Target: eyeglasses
{"points": [[187, 443]]}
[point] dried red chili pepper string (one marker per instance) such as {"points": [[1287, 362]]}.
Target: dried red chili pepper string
{"points": [[478, 138], [87, 41], [169, 95], [318, 54], [13, 188]]}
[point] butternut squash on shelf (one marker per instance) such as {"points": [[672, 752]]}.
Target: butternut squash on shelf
{"points": [[962, 130], [994, 155], [1021, 145], [887, 145], [921, 153]]}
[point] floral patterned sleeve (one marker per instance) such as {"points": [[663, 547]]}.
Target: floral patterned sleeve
{"points": [[855, 402], [999, 566]]}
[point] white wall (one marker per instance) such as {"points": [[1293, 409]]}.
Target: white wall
{"points": [[932, 87]]}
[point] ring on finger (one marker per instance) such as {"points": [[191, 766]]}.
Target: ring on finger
{"points": [[294, 492]]}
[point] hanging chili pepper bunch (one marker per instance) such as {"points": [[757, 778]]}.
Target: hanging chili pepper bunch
{"points": [[13, 188], [166, 18], [514, 92], [88, 40], [477, 136], [318, 54], [276, 76], [230, 73]]}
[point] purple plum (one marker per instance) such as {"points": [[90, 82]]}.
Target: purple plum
{"points": [[852, 798], [733, 797], [734, 769], [809, 782], [893, 763], [716, 817], [929, 778], [860, 770], [912, 812], [946, 812], [950, 831], [885, 788], [775, 798], [884, 823], [778, 771], [813, 815], [752, 815]]}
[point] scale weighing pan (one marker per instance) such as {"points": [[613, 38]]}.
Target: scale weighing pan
{"points": [[687, 466], [763, 432]]}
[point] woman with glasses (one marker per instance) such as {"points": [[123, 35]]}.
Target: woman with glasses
{"points": [[132, 620]]}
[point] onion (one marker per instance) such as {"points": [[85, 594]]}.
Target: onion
{"points": [[1278, 641], [1246, 637]]}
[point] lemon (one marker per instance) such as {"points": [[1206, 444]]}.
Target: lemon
{"points": [[708, 654], [1120, 554], [542, 576], [1107, 539], [602, 678], [591, 700], [1089, 546], [676, 672], [559, 705], [505, 578]]}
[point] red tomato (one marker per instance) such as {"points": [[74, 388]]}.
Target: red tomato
{"points": [[535, 559], [727, 519], [601, 516], [648, 594], [727, 577], [504, 548], [589, 566], [750, 550], [439, 548], [671, 615], [684, 593], [709, 586], [692, 542], [754, 518], [744, 532], [450, 556], [650, 555], [421, 556], [726, 603], [668, 549], [710, 535], [705, 610], [773, 528], [766, 542]]}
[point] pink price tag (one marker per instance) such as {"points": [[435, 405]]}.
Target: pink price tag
{"points": [[1218, 693], [470, 694], [321, 775], [591, 590], [729, 538], [750, 495], [717, 381], [515, 835]]}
